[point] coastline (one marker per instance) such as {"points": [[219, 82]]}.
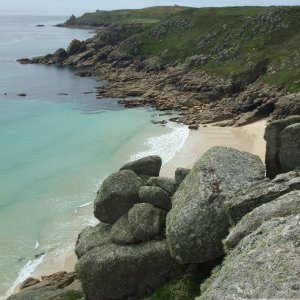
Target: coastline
{"points": [[246, 138]]}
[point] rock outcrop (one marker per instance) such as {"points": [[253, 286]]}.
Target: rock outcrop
{"points": [[60, 285], [286, 205], [197, 222], [264, 265], [261, 193], [129, 257], [283, 142]]}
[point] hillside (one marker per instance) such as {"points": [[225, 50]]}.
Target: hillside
{"points": [[225, 41], [229, 41], [145, 15]]}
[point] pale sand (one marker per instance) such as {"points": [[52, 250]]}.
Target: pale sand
{"points": [[247, 138]]}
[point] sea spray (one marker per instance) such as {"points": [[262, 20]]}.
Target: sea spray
{"points": [[24, 273], [165, 145]]}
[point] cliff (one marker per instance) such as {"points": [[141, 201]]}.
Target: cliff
{"points": [[226, 65]]}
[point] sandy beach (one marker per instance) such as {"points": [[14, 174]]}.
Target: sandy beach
{"points": [[247, 138]]}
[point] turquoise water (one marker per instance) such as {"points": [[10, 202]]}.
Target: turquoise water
{"points": [[55, 150]]}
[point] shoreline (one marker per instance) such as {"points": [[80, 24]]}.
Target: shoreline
{"points": [[246, 138]]}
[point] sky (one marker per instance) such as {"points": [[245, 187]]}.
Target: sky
{"points": [[78, 7]]}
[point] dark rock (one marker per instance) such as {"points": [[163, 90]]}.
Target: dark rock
{"points": [[123, 272], [289, 152], [288, 105], [146, 221], [264, 265], [286, 205], [260, 193], [24, 61], [60, 54], [40, 25], [117, 194], [39, 254], [274, 136], [92, 237], [30, 281], [74, 47], [62, 94], [167, 184], [155, 196], [194, 126], [22, 95], [121, 232], [180, 174], [197, 222], [149, 165]]}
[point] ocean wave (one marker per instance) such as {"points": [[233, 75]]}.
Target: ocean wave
{"points": [[165, 145], [24, 273], [82, 205]]}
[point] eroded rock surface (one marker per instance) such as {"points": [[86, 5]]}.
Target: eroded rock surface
{"points": [[197, 222]]}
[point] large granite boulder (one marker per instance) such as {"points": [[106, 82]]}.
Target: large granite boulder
{"points": [[155, 196], [149, 166], [289, 152], [117, 194], [91, 237], [125, 272], [121, 232], [261, 193], [264, 265], [288, 204], [198, 222], [167, 184], [283, 142], [146, 221]]}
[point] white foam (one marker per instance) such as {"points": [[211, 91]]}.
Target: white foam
{"points": [[25, 272], [165, 145], [37, 244], [82, 205]]}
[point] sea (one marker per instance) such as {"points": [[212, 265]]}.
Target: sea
{"points": [[57, 145]]}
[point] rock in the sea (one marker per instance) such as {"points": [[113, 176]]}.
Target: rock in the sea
{"points": [[125, 272], [167, 184], [146, 221], [285, 205], [117, 194], [261, 193], [180, 174], [91, 237], [197, 222], [282, 153], [149, 166], [60, 54], [22, 95], [264, 265], [121, 232], [155, 196]]}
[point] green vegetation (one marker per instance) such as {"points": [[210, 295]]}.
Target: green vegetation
{"points": [[72, 295], [186, 288], [226, 41], [146, 15]]}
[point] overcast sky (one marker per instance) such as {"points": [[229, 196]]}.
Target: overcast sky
{"points": [[78, 7]]}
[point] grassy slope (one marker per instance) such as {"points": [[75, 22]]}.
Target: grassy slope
{"points": [[276, 38], [231, 39], [146, 15]]}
